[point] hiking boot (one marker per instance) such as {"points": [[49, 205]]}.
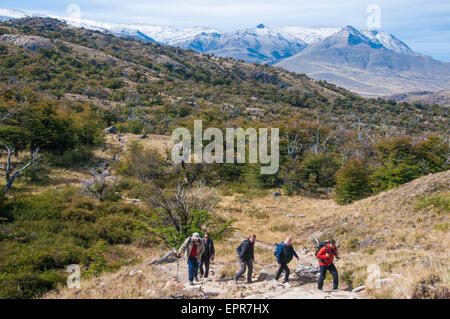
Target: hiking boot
{"points": [[196, 279], [287, 285], [191, 282], [250, 281]]}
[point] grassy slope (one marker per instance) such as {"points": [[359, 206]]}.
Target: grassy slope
{"points": [[397, 230], [404, 231]]}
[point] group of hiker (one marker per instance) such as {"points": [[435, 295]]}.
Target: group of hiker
{"points": [[200, 251]]}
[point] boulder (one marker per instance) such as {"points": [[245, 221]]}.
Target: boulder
{"points": [[170, 257], [110, 130], [276, 194], [29, 42], [366, 242], [307, 273], [134, 272], [262, 276]]}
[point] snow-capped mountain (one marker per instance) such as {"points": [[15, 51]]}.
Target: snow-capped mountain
{"points": [[369, 62], [389, 42], [8, 14], [260, 44]]}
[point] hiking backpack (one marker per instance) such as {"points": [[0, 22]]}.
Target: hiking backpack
{"points": [[239, 248], [320, 246], [275, 249]]}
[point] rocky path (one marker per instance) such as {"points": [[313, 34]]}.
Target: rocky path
{"points": [[263, 287]]}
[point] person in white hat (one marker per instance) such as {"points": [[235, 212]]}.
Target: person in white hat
{"points": [[194, 248]]}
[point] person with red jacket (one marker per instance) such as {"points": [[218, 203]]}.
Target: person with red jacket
{"points": [[326, 257]]}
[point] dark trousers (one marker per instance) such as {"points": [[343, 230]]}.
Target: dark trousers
{"points": [[193, 267], [323, 273], [204, 261], [244, 265], [282, 267]]}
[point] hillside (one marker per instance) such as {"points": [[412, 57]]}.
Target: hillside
{"points": [[346, 57], [398, 230], [155, 81], [424, 97], [87, 178]]}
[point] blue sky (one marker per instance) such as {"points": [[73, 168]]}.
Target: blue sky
{"points": [[423, 25]]}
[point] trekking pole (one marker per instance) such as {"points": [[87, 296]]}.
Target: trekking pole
{"points": [[178, 266]]}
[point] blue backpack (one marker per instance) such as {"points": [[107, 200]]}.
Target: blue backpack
{"points": [[275, 249]]}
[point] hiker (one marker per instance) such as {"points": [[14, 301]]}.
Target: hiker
{"points": [[208, 255], [326, 256], [246, 258], [194, 249], [285, 252]]}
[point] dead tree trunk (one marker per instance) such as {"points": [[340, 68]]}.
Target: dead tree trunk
{"points": [[9, 175]]}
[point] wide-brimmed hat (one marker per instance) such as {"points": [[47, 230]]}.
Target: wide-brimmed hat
{"points": [[196, 235]]}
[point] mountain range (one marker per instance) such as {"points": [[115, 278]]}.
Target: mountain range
{"points": [[369, 62]]}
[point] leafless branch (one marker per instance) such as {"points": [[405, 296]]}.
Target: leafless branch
{"points": [[9, 175]]}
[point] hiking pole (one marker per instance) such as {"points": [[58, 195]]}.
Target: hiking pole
{"points": [[178, 266]]}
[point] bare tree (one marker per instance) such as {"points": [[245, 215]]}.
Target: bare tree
{"points": [[178, 209], [5, 116], [100, 184], [294, 144], [9, 174]]}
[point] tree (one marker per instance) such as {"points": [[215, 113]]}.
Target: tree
{"points": [[318, 170], [114, 84], [146, 164], [179, 212], [11, 176], [433, 154], [352, 182], [399, 164], [101, 184], [186, 209], [17, 135]]}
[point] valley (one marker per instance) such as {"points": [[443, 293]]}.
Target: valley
{"points": [[89, 115]]}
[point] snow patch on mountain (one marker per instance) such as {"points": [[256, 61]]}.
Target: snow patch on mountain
{"points": [[261, 44], [389, 41], [9, 14]]}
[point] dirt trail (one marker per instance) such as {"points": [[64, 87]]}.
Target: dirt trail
{"points": [[263, 287]]}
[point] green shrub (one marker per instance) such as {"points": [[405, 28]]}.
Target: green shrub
{"points": [[353, 244], [438, 202], [45, 233], [442, 227], [352, 182]]}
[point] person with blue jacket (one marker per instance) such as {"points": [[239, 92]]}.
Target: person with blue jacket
{"points": [[285, 253]]}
